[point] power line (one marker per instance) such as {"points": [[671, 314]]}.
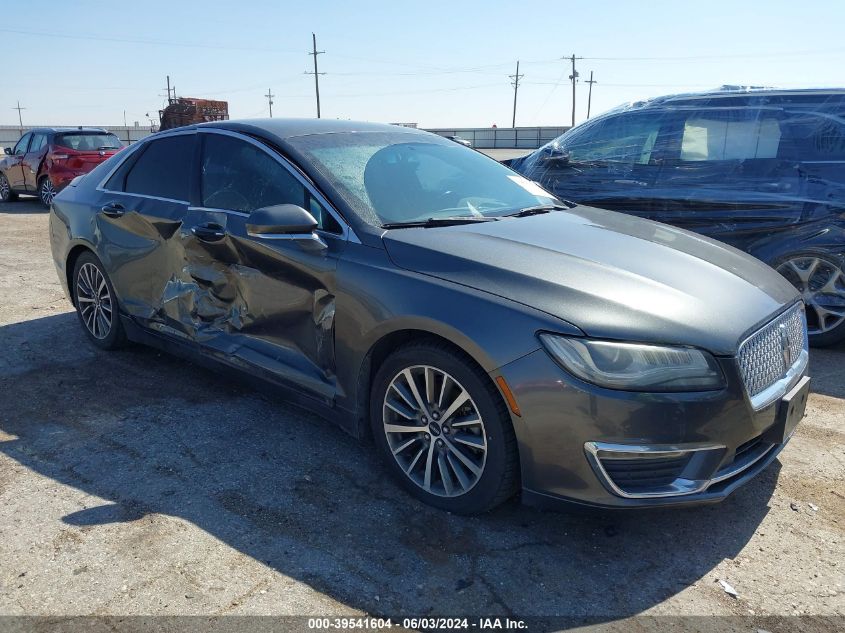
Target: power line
{"points": [[269, 96], [515, 83], [316, 74]]}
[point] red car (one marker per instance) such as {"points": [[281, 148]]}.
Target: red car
{"points": [[45, 160]]}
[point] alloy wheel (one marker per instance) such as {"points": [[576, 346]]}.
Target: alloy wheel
{"points": [[822, 286], [94, 300], [5, 190], [48, 192], [435, 431]]}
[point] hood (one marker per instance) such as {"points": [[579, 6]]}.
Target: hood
{"points": [[612, 275]]}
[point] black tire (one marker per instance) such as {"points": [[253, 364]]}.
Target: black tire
{"points": [[499, 476], [6, 193], [109, 338], [828, 263], [46, 191]]}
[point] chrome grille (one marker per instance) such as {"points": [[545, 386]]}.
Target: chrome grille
{"points": [[767, 355]]}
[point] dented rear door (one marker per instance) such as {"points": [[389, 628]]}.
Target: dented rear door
{"points": [[139, 214], [267, 305]]}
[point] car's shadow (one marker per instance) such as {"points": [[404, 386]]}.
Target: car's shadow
{"points": [[23, 205], [827, 367], [153, 434]]}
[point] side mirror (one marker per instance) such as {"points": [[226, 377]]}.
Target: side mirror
{"points": [[280, 220], [557, 155], [7, 150]]}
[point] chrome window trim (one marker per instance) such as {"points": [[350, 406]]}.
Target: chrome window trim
{"points": [[241, 214], [346, 231], [310, 237], [130, 151]]}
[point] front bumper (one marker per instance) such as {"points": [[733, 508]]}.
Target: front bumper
{"points": [[579, 442]]}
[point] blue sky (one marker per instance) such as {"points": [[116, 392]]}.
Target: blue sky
{"points": [[435, 63]]}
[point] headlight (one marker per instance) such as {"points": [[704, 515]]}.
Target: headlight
{"points": [[634, 366]]}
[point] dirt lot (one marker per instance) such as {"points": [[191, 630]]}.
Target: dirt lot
{"points": [[135, 483]]}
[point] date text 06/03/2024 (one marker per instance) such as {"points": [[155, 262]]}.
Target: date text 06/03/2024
{"points": [[423, 623]]}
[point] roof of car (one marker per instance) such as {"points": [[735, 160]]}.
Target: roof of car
{"points": [[732, 96], [92, 130], [735, 94], [749, 91], [289, 128]]}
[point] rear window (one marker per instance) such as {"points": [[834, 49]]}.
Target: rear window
{"points": [[163, 170], [815, 137], [87, 141]]}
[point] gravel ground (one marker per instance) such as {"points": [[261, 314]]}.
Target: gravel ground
{"points": [[135, 483]]}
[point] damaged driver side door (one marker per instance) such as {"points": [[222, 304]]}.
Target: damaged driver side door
{"points": [[264, 302]]}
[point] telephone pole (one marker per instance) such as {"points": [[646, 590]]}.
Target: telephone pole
{"points": [[20, 119], [316, 74], [269, 96], [168, 90], [574, 78], [515, 83], [590, 93]]}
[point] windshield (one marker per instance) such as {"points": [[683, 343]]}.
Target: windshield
{"points": [[394, 178], [87, 141]]}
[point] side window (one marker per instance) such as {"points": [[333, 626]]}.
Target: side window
{"points": [[117, 182], [163, 170], [239, 176], [39, 140], [325, 220], [20, 148], [730, 135], [626, 138]]}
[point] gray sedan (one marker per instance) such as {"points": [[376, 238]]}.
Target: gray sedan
{"points": [[487, 336]]}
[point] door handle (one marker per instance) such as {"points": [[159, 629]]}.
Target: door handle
{"points": [[113, 210], [209, 232]]}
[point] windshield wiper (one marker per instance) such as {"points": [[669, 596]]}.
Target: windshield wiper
{"points": [[538, 209], [430, 222]]}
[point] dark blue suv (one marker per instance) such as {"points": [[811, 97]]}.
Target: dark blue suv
{"points": [[762, 170]]}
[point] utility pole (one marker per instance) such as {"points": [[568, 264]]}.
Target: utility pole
{"points": [[574, 78], [515, 83], [269, 96], [20, 120], [316, 74], [590, 93], [168, 90]]}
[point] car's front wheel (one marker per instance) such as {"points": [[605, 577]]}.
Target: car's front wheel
{"points": [[443, 429], [46, 191], [96, 305], [820, 278], [6, 193]]}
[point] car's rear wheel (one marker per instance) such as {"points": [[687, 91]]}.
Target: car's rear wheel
{"points": [[6, 193], [46, 191], [443, 429], [820, 278], [96, 305]]}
